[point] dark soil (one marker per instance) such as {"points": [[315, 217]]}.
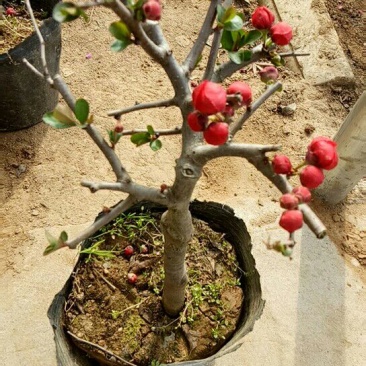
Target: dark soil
{"points": [[128, 321], [349, 21]]}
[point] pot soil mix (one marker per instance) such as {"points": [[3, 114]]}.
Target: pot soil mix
{"points": [[108, 308], [15, 23]]}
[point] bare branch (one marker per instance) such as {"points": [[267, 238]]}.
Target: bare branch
{"points": [[206, 29], [204, 153], [32, 68], [173, 131], [42, 47], [90, 4], [212, 58], [139, 106], [228, 68], [237, 126], [103, 220], [140, 192]]}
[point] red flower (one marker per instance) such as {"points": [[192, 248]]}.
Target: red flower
{"points": [[281, 33], [281, 164], [289, 201], [152, 10], [209, 98], [216, 133], [197, 121], [322, 153], [268, 74], [262, 18], [291, 220], [311, 177], [238, 87], [302, 193]]}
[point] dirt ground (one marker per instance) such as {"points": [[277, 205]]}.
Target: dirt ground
{"points": [[42, 168]]}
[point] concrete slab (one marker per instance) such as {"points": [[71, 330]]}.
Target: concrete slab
{"points": [[314, 33]]}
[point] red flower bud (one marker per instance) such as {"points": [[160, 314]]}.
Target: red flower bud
{"points": [[291, 220], [10, 11], [268, 74], [118, 128], [311, 177], [144, 249], [281, 164], [229, 111], [302, 193], [262, 18], [128, 251], [281, 34], [131, 278], [197, 121], [216, 133], [163, 187], [238, 87], [322, 153], [209, 98], [152, 10], [289, 201]]}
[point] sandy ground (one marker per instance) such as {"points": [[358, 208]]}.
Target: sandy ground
{"points": [[314, 303]]}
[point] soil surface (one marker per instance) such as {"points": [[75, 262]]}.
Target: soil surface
{"points": [[128, 320]]}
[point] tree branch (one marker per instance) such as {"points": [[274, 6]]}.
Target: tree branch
{"points": [[46, 73], [157, 53], [206, 29], [104, 220], [138, 191], [139, 106], [204, 153], [212, 58], [291, 53], [228, 68], [173, 131], [237, 126]]}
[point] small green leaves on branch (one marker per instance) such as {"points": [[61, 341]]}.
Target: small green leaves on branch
{"points": [[122, 34], [63, 117], [55, 244], [67, 12], [150, 136], [234, 40], [240, 56], [229, 19]]}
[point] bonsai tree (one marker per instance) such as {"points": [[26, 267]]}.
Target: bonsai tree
{"points": [[211, 116]]}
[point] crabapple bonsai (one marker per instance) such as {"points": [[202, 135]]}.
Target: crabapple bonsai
{"points": [[211, 117]]}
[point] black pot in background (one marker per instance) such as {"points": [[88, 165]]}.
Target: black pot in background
{"points": [[24, 96], [220, 218]]}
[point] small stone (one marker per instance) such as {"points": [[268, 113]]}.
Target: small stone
{"points": [[35, 212], [355, 262], [288, 110]]}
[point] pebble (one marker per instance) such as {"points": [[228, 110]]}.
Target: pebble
{"points": [[288, 110], [35, 212]]}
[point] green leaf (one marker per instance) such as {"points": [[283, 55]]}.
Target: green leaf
{"points": [[81, 110], [227, 41], [51, 120], [53, 244], [234, 24], [114, 136], [240, 57], [140, 138], [220, 13], [253, 36], [156, 145], [120, 31], [66, 12], [228, 15], [150, 130], [119, 45], [64, 236]]}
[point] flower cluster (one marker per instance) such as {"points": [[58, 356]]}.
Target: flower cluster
{"points": [[321, 154], [280, 33], [213, 108]]}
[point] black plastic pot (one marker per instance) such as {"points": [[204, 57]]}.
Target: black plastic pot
{"points": [[220, 218], [24, 96]]}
